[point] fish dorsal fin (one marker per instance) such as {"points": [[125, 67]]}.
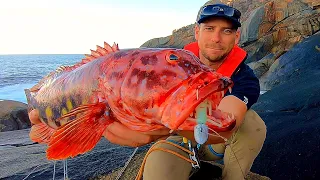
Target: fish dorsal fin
{"points": [[62, 68], [100, 51]]}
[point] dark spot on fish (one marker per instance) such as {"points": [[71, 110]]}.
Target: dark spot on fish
{"points": [[120, 54], [56, 112], [44, 119], [151, 60], [131, 62], [135, 71], [57, 123], [133, 58], [168, 73], [135, 53], [153, 79], [116, 75]]}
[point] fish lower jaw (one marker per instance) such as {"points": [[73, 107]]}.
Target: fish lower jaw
{"points": [[218, 125], [213, 117]]}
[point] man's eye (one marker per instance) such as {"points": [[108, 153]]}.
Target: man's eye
{"points": [[227, 31], [208, 28]]}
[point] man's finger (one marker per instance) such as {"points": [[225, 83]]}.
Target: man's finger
{"points": [[120, 141], [159, 132], [34, 116], [125, 133]]}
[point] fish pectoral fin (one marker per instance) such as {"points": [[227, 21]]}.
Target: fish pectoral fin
{"points": [[79, 135], [95, 110], [41, 133]]}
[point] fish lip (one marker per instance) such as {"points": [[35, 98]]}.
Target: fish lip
{"points": [[201, 98], [191, 102]]}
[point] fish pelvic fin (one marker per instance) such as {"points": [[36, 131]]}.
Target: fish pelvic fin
{"points": [[81, 134], [41, 133]]}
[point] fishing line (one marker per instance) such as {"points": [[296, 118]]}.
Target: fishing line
{"points": [[236, 159], [54, 170], [127, 163], [31, 172], [228, 144], [231, 150], [65, 169]]}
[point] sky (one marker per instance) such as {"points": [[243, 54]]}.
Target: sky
{"points": [[76, 26]]}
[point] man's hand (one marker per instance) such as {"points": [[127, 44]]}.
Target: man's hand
{"points": [[34, 117], [119, 134]]}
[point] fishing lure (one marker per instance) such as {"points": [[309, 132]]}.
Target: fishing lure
{"points": [[201, 129]]}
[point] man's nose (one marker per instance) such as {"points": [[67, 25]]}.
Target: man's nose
{"points": [[216, 36]]}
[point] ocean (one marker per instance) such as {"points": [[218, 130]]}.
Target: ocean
{"points": [[18, 72]]}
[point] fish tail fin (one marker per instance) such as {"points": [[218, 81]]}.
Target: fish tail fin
{"points": [[41, 133], [80, 135], [30, 100]]}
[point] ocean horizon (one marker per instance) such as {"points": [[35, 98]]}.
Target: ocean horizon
{"points": [[22, 71]]}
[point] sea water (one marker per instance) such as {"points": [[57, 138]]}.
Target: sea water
{"points": [[19, 72]]}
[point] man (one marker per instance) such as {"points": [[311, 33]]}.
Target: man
{"points": [[217, 37], [217, 34]]}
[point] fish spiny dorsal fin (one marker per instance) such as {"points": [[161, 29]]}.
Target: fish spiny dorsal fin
{"points": [[115, 47], [107, 47], [101, 51], [95, 53], [62, 68]]}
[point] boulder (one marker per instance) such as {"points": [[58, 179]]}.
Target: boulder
{"points": [[178, 39], [302, 60], [276, 26], [291, 112], [262, 66], [13, 116]]}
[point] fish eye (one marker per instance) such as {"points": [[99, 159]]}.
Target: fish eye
{"points": [[173, 57]]}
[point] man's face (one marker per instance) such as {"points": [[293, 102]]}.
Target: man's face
{"points": [[216, 39]]}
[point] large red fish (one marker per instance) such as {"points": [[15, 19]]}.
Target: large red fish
{"points": [[144, 89]]}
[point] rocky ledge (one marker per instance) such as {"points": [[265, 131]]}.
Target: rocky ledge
{"points": [[13, 116]]}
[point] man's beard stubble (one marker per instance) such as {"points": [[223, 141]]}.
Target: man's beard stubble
{"points": [[216, 59]]}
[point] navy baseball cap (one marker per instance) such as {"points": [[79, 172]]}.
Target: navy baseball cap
{"points": [[219, 10]]}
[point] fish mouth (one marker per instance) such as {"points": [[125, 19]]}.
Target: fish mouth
{"points": [[181, 112]]}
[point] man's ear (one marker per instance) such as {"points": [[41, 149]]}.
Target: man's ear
{"points": [[237, 40], [196, 31]]}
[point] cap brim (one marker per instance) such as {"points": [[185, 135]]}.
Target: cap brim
{"points": [[233, 21]]}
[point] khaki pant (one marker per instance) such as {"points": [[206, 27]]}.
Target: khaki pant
{"points": [[239, 153]]}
